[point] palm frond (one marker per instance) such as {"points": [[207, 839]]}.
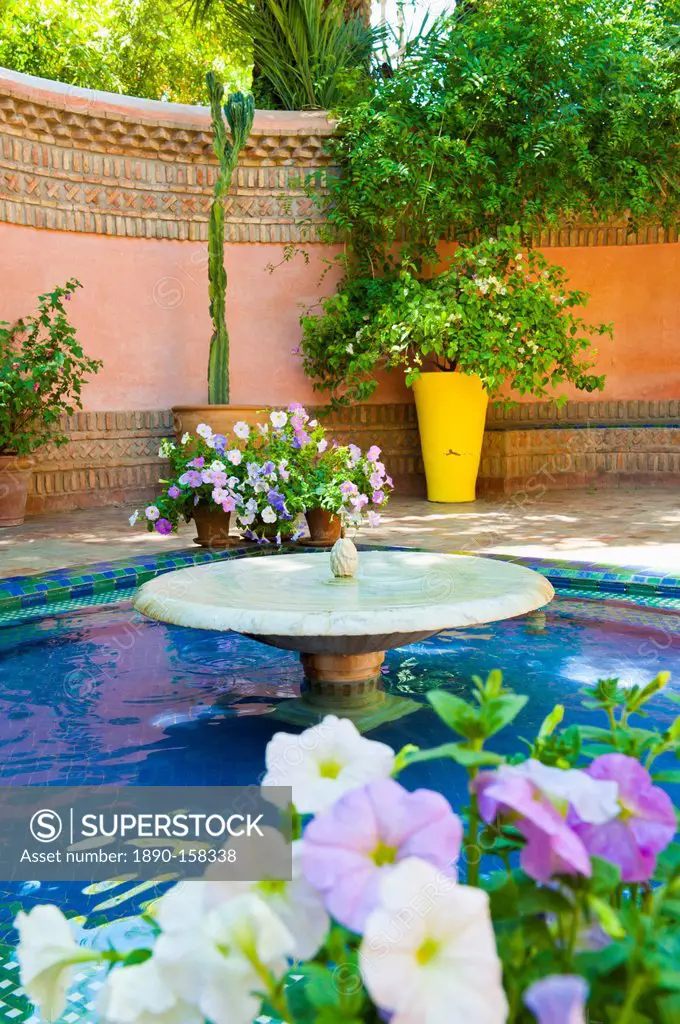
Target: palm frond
{"points": [[303, 50]]}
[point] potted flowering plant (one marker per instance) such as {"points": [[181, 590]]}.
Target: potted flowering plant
{"points": [[548, 897], [333, 485], [500, 317], [42, 371], [207, 473]]}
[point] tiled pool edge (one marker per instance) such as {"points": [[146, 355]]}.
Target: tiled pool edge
{"points": [[22, 592]]}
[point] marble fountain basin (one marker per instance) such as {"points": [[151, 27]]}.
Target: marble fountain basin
{"points": [[342, 627]]}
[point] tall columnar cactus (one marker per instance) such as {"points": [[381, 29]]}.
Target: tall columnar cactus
{"points": [[239, 111]]}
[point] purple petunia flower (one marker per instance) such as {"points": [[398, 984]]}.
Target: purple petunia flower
{"points": [[354, 454], [301, 439], [558, 999], [192, 478], [163, 526], [219, 443], [376, 480], [645, 826], [268, 468], [347, 488], [197, 463], [174, 491], [349, 848], [378, 497], [373, 518], [276, 500]]}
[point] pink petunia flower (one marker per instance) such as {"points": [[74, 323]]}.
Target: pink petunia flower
{"points": [[537, 800], [349, 848], [373, 453], [646, 823]]}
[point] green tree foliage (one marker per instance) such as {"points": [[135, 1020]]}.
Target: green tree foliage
{"points": [[515, 112], [139, 47]]}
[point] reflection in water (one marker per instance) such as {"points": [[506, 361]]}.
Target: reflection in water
{"points": [[106, 696]]}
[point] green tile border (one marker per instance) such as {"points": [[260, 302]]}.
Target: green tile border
{"points": [[48, 590]]}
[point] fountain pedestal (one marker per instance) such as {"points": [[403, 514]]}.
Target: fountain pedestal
{"points": [[342, 628]]}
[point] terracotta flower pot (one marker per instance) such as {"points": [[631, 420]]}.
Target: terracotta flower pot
{"points": [[324, 528], [15, 476], [220, 417], [212, 527]]}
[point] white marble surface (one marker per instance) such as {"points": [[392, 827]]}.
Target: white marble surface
{"points": [[297, 596]]}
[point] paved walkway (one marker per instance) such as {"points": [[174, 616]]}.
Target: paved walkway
{"points": [[621, 527]]}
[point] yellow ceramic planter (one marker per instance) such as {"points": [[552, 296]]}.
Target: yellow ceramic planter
{"points": [[451, 415]]}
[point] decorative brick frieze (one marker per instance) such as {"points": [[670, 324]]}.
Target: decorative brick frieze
{"points": [[110, 457], [582, 412], [113, 456], [79, 160]]}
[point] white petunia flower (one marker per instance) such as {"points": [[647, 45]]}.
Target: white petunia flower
{"points": [[242, 430], [234, 456], [186, 436], [152, 512], [322, 445], [278, 419], [268, 514], [594, 800], [324, 762], [143, 994], [246, 519], [47, 953], [217, 466], [134, 517], [296, 903], [203, 430], [438, 964]]}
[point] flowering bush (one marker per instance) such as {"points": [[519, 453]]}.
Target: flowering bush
{"points": [[552, 894], [42, 370], [499, 311], [268, 476]]}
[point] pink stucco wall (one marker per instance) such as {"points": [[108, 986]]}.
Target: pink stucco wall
{"points": [[143, 309], [635, 288]]}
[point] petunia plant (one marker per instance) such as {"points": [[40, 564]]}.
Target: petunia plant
{"points": [[268, 475], [550, 898], [205, 469]]}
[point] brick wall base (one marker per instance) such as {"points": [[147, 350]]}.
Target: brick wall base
{"points": [[112, 457]]}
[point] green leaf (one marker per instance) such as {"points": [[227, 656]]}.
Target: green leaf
{"points": [[607, 916], [551, 721], [606, 876], [457, 752]]}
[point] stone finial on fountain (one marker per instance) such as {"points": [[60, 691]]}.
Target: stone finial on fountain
{"points": [[344, 558]]}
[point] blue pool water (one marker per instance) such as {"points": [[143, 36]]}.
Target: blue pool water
{"points": [[102, 695]]}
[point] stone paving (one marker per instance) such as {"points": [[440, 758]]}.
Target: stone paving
{"points": [[614, 527]]}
